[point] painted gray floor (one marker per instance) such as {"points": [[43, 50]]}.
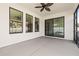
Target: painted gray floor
{"points": [[42, 46]]}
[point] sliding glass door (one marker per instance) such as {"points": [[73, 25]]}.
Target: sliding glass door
{"points": [[76, 26], [54, 27]]}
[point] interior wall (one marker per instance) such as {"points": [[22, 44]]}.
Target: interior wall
{"points": [[68, 23], [5, 37]]}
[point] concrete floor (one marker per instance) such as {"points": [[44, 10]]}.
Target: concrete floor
{"points": [[42, 46]]}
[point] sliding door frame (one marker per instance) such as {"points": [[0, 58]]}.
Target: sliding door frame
{"points": [[75, 25]]}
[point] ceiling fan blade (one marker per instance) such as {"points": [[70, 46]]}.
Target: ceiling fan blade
{"points": [[47, 9], [49, 4], [38, 7], [42, 4], [42, 9]]}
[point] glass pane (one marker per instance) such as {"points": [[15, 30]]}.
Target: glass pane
{"points": [[50, 28], [46, 27], [36, 24], [16, 21], [78, 23], [29, 23], [75, 18], [59, 27]]}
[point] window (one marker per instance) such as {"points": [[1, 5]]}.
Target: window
{"points": [[36, 24], [15, 21], [29, 23]]}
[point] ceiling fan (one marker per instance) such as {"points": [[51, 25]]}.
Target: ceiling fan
{"points": [[45, 6]]}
